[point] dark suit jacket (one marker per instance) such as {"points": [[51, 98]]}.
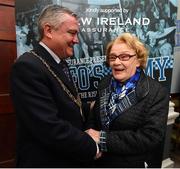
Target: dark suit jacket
{"points": [[137, 135], [49, 124]]}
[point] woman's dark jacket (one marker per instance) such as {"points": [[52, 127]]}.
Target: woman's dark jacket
{"points": [[137, 135]]}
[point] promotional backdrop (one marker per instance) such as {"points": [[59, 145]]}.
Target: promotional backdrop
{"points": [[152, 21]]}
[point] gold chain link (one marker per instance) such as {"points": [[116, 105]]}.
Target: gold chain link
{"points": [[76, 100]]}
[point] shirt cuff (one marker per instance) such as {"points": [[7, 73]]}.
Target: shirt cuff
{"points": [[97, 151], [102, 141]]}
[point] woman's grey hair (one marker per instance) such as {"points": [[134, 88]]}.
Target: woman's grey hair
{"points": [[53, 15]]}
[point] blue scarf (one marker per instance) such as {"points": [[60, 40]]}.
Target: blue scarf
{"points": [[123, 89], [118, 97]]}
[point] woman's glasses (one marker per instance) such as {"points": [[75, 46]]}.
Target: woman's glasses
{"points": [[122, 57]]}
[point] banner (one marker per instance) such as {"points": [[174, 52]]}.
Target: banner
{"points": [[153, 22]]}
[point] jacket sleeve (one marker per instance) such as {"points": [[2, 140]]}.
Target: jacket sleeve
{"points": [[148, 135], [37, 111]]}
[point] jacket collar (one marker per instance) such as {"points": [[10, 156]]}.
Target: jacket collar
{"points": [[142, 88], [55, 57]]}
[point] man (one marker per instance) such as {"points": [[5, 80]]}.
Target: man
{"points": [[49, 117]]}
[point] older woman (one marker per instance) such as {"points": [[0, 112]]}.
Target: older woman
{"points": [[128, 120]]}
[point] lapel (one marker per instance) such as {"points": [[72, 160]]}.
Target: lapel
{"points": [[42, 52]]}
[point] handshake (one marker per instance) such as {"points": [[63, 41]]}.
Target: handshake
{"points": [[96, 137]]}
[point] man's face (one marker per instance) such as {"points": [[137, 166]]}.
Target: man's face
{"points": [[64, 38]]}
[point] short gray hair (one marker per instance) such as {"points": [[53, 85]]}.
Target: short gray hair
{"points": [[54, 15]]}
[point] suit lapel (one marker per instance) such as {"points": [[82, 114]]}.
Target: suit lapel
{"points": [[42, 52]]}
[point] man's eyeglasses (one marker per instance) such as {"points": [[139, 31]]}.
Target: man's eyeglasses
{"points": [[122, 57]]}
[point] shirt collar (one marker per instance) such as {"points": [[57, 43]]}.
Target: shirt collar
{"points": [[55, 57]]}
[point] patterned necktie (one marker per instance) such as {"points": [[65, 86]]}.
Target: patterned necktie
{"points": [[65, 68]]}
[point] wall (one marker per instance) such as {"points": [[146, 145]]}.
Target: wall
{"points": [[7, 56]]}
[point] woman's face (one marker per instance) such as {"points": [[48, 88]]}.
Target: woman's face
{"points": [[123, 61]]}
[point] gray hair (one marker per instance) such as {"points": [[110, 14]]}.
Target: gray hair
{"points": [[54, 15]]}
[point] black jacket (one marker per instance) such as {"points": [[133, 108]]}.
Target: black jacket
{"points": [[137, 135], [49, 124]]}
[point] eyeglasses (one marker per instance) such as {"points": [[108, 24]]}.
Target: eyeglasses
{"points": [[122, 57]]}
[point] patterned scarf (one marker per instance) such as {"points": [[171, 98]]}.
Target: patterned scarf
{"points": [[122, 96]]}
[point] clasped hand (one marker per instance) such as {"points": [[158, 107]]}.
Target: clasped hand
{"points": [[96, 137], [94, 134]]}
